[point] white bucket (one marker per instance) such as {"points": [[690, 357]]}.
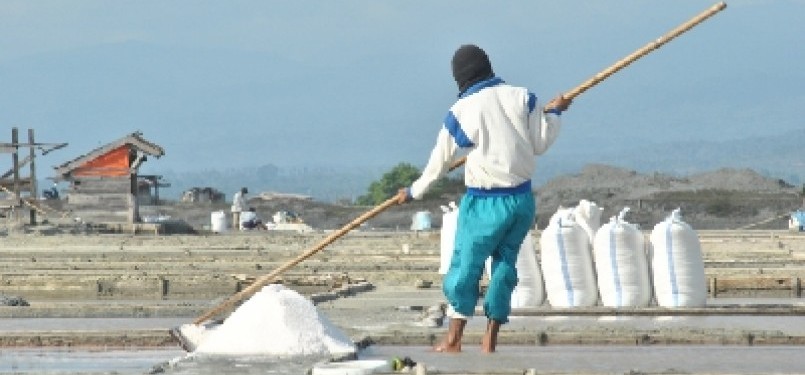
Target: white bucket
{"points": [[421, 221], [358, 367], [218, 222]]}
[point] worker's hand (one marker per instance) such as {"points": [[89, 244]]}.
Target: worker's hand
{"points": [[403, 197], [558, 104]]}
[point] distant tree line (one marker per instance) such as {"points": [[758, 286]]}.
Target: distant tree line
{"points": [[403, 175]]}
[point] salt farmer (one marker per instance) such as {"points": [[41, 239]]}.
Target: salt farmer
{"points": [[500, 128], [238, 206], [249, 220]]}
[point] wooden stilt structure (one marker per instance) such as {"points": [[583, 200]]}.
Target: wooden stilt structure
{"points": [[21, 189]]}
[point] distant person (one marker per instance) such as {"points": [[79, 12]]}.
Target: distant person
{"points": [[52, 192], [238, 205], [500, 128], [250, 220]]}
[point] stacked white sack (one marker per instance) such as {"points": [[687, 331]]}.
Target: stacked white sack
{"points": [[588, 215], [529, 291], [677, 264], [276, 321], [621, 265], [566, 261], [448, 236]]}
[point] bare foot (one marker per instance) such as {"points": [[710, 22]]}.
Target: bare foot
{"points": [[452, 339], [487, 347], [490, 340], [445, 348]]}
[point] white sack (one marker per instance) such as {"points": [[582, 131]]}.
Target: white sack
{"points": [[677, 264], [566, 260], [588, 216], [621, 265], [448, 237], [529, 291]]}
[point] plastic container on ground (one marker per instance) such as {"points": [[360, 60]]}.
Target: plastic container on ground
{"points": [[218, 222], [797, 221], [357, 367], [421, 221]]}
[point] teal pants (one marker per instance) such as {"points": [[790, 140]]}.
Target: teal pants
{"points": [[488, 226]]}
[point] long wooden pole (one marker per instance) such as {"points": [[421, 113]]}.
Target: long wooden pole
{"points": [[645, 50], [636, 55], [266, 279]]}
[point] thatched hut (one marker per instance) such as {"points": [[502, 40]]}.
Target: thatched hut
{"points": [[104, 183]]}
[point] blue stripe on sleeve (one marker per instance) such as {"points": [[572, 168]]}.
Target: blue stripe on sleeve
{"points": [[454, 128], [532, 102]]}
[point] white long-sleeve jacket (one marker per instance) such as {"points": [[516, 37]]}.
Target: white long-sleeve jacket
{"points": [[501, 128], [238, 202]]}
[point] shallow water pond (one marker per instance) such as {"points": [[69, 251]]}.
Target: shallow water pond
{"points": [[509, 359]]}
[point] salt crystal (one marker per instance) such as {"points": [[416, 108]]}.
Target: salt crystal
{"points": [[280, 322]]}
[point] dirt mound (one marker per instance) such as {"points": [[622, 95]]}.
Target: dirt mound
{"points": [[739, 180], [598, 176], [721, 199]]}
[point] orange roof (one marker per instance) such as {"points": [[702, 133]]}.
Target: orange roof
{"points": [[112, 159]]}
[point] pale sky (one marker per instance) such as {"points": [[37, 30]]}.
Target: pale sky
{"points": [[221, 84]]}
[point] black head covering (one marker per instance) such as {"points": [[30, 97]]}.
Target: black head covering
{"points": [[470, 65]]}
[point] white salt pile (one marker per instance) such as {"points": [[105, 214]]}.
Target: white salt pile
{"points": [[276, 321]]}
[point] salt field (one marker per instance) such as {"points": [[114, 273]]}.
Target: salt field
{"points": [[113, 316]]}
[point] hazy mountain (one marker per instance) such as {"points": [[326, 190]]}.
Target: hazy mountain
{"points": [[330, 125], [778, 157]]}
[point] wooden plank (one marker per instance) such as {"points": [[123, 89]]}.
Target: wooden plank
{"points": [[102, 185], [96, 214], [24, 184], [753, 283], [105, 200], [792, 285], [7, 204]]}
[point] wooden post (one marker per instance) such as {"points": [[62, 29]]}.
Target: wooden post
{"points": [[713, 287], [15, 163], [33, 187], [165, 287]]}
